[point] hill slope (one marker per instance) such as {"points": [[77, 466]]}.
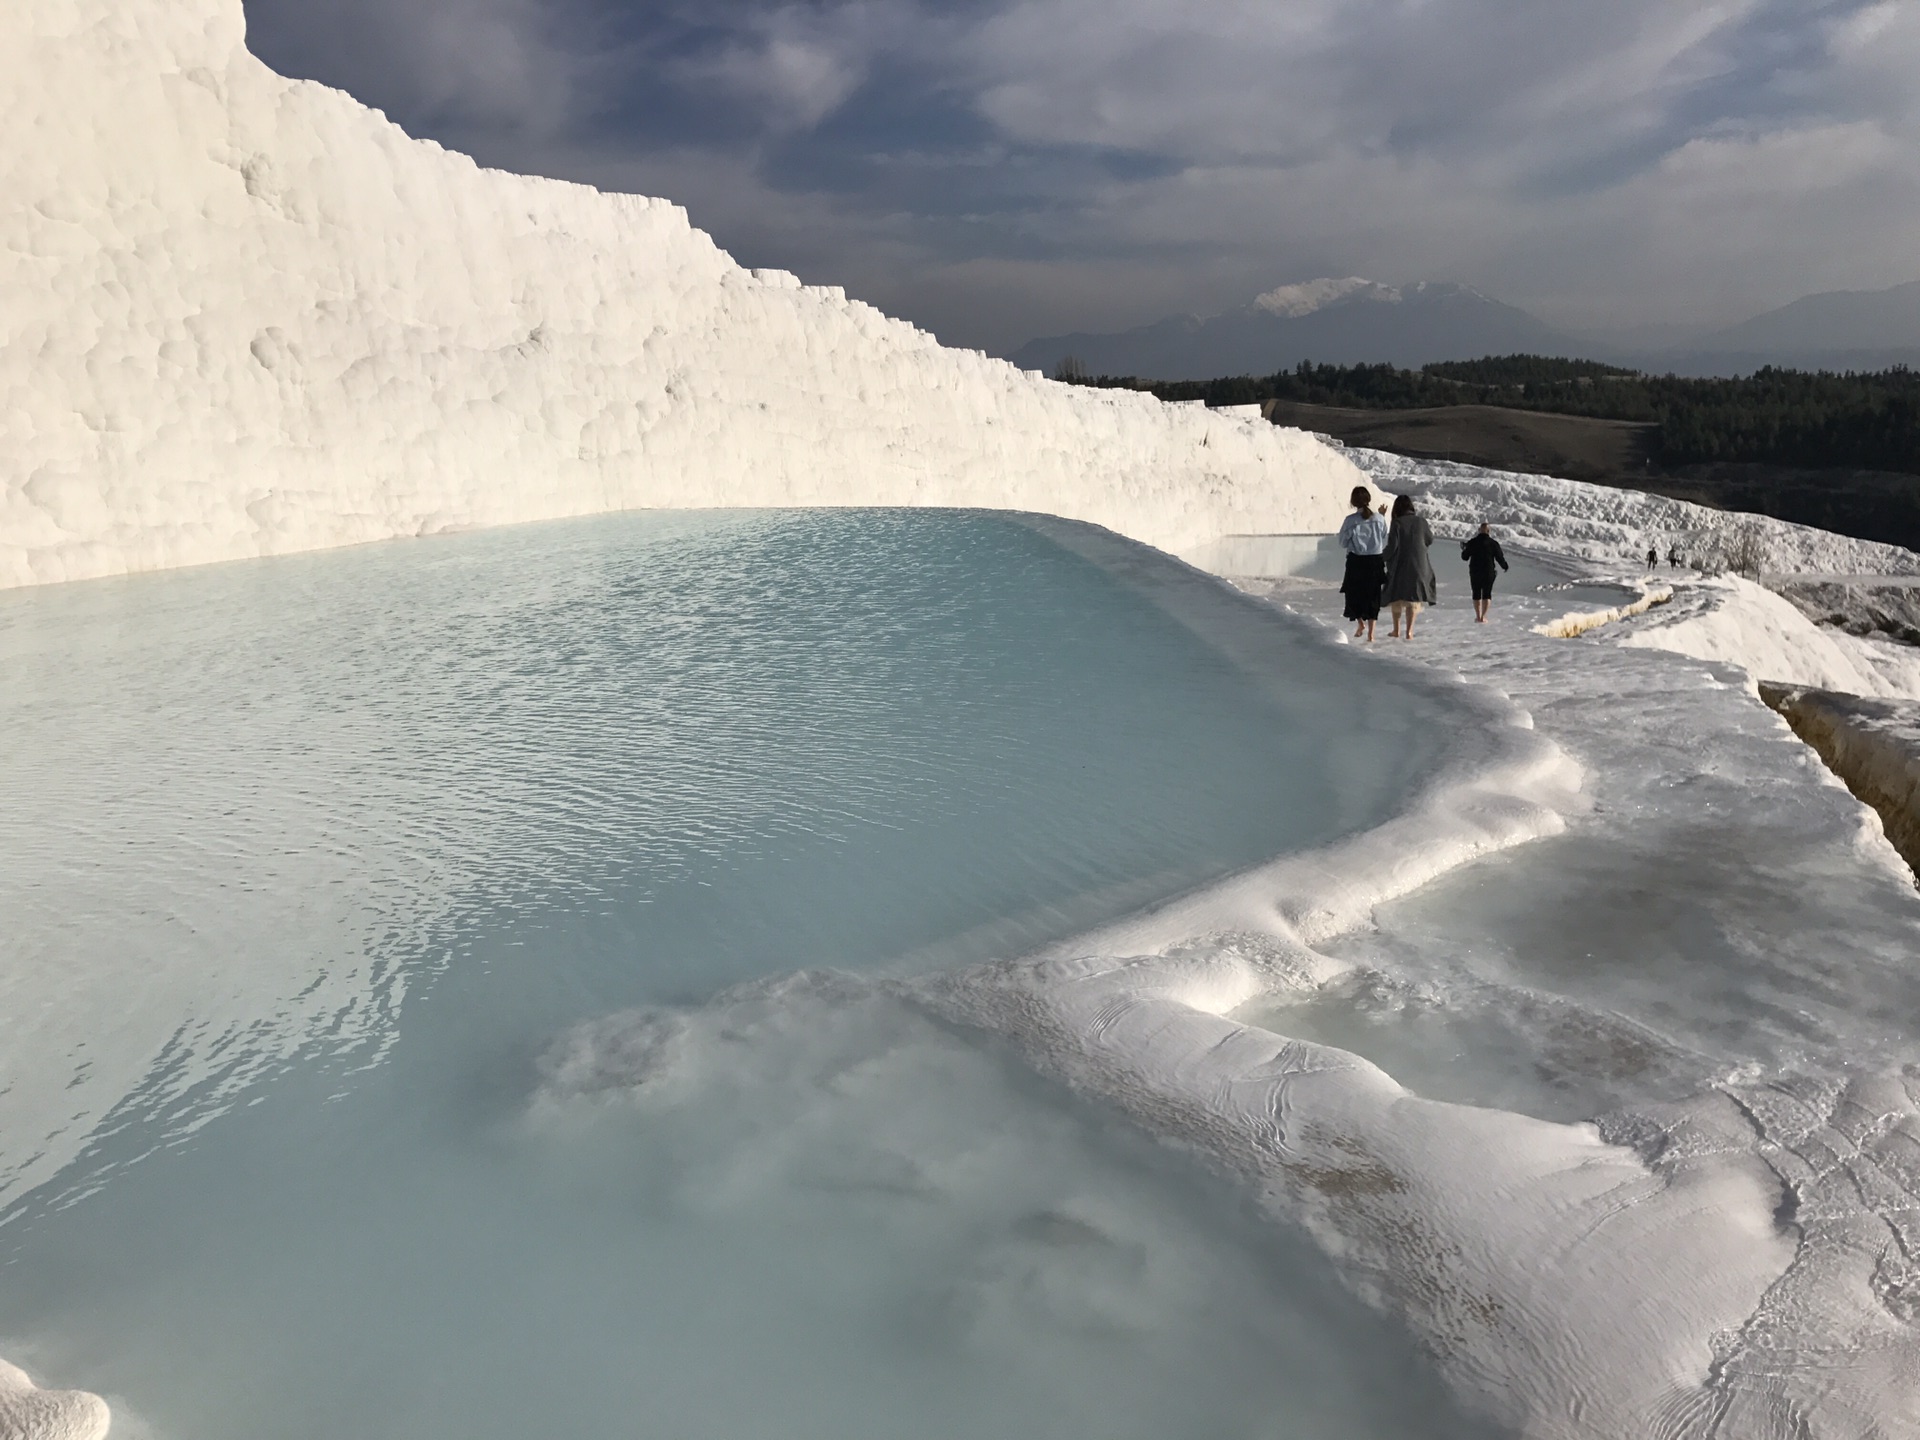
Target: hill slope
{"points": [[1838, 330], [1839, 321], [1573, 447]]}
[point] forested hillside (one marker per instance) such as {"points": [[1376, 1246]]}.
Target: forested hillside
{"points": [[1807, 419]]}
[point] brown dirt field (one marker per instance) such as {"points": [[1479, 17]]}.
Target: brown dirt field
{"points": [[1571, 446]]}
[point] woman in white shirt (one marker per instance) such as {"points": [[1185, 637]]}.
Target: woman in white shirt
{"points": [[1363, 535]]}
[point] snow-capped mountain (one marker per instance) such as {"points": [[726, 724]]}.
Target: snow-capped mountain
{"points": [[1344, 321], [1290, 302]]}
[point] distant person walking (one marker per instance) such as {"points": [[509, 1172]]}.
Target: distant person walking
{"points": [[1482, 553], [1410, 582], [1363, 535], [1653, 557]]}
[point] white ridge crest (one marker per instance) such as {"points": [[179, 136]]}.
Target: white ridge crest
{"points": [[1290, 302]]}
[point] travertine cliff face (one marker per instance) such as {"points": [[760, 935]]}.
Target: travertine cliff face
{"points": [[1872, 745], [244, 315]]}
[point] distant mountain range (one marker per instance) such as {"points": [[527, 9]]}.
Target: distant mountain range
{"points": [[1338, 322], [1355, 321], [1837, 330]]}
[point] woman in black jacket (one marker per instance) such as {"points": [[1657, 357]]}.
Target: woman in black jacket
{"points": [[1481, 553]]}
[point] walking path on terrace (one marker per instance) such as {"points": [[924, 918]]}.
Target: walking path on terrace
{"points": [[1717, 952]]}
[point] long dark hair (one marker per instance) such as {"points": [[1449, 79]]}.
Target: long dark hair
{"points": [[1402, 505], [1361, 499]]}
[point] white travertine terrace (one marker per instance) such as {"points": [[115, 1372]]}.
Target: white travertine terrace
{"points": [[245, 315], [29, 1413]]}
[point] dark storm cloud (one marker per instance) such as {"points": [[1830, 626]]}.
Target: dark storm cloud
{"points": [[1004, 166]]}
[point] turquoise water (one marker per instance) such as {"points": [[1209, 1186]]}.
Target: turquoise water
{"points": [[328, 856]]}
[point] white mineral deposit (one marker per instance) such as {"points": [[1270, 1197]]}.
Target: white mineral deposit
{"points": [[840, 933]]}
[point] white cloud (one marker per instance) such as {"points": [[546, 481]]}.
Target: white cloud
{"points": [[465, 63], [1876, 56], [1231, 80], [793, 66], [1618, 163], [1052, 164]]}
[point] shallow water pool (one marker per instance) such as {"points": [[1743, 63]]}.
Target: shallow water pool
{"points": [[321, 864]]}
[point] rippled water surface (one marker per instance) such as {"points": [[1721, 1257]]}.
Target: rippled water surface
{"points": [[312, 866]]}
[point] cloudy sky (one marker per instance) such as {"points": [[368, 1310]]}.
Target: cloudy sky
{"points": [[1000, 169]]}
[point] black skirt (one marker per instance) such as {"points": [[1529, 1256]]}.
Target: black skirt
{"points": [[1366, 578]]}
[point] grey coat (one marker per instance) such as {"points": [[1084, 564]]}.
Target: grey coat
{"points": [[1409, 571]]}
